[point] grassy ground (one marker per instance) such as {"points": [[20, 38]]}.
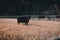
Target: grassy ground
{"points": [[36, 30]]}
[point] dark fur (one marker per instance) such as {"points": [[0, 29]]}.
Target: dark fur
{"points": [[23, 20]]}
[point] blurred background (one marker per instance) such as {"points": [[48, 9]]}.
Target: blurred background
{"points": [[29, 7]]}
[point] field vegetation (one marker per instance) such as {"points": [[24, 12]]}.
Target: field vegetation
{"points": [[36, 30]]}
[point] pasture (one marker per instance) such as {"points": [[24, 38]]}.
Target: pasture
{"points": [[36, 30]]}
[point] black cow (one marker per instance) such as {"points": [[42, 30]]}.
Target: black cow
{"points": [[23, 19]]}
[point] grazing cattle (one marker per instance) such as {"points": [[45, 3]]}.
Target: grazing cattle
{"points": [[23, 19]]}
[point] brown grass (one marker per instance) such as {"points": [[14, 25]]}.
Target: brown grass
{"points": [[36, 30]]}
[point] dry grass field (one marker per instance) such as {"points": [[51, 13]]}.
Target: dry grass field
{"points": [[36, 30]]}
